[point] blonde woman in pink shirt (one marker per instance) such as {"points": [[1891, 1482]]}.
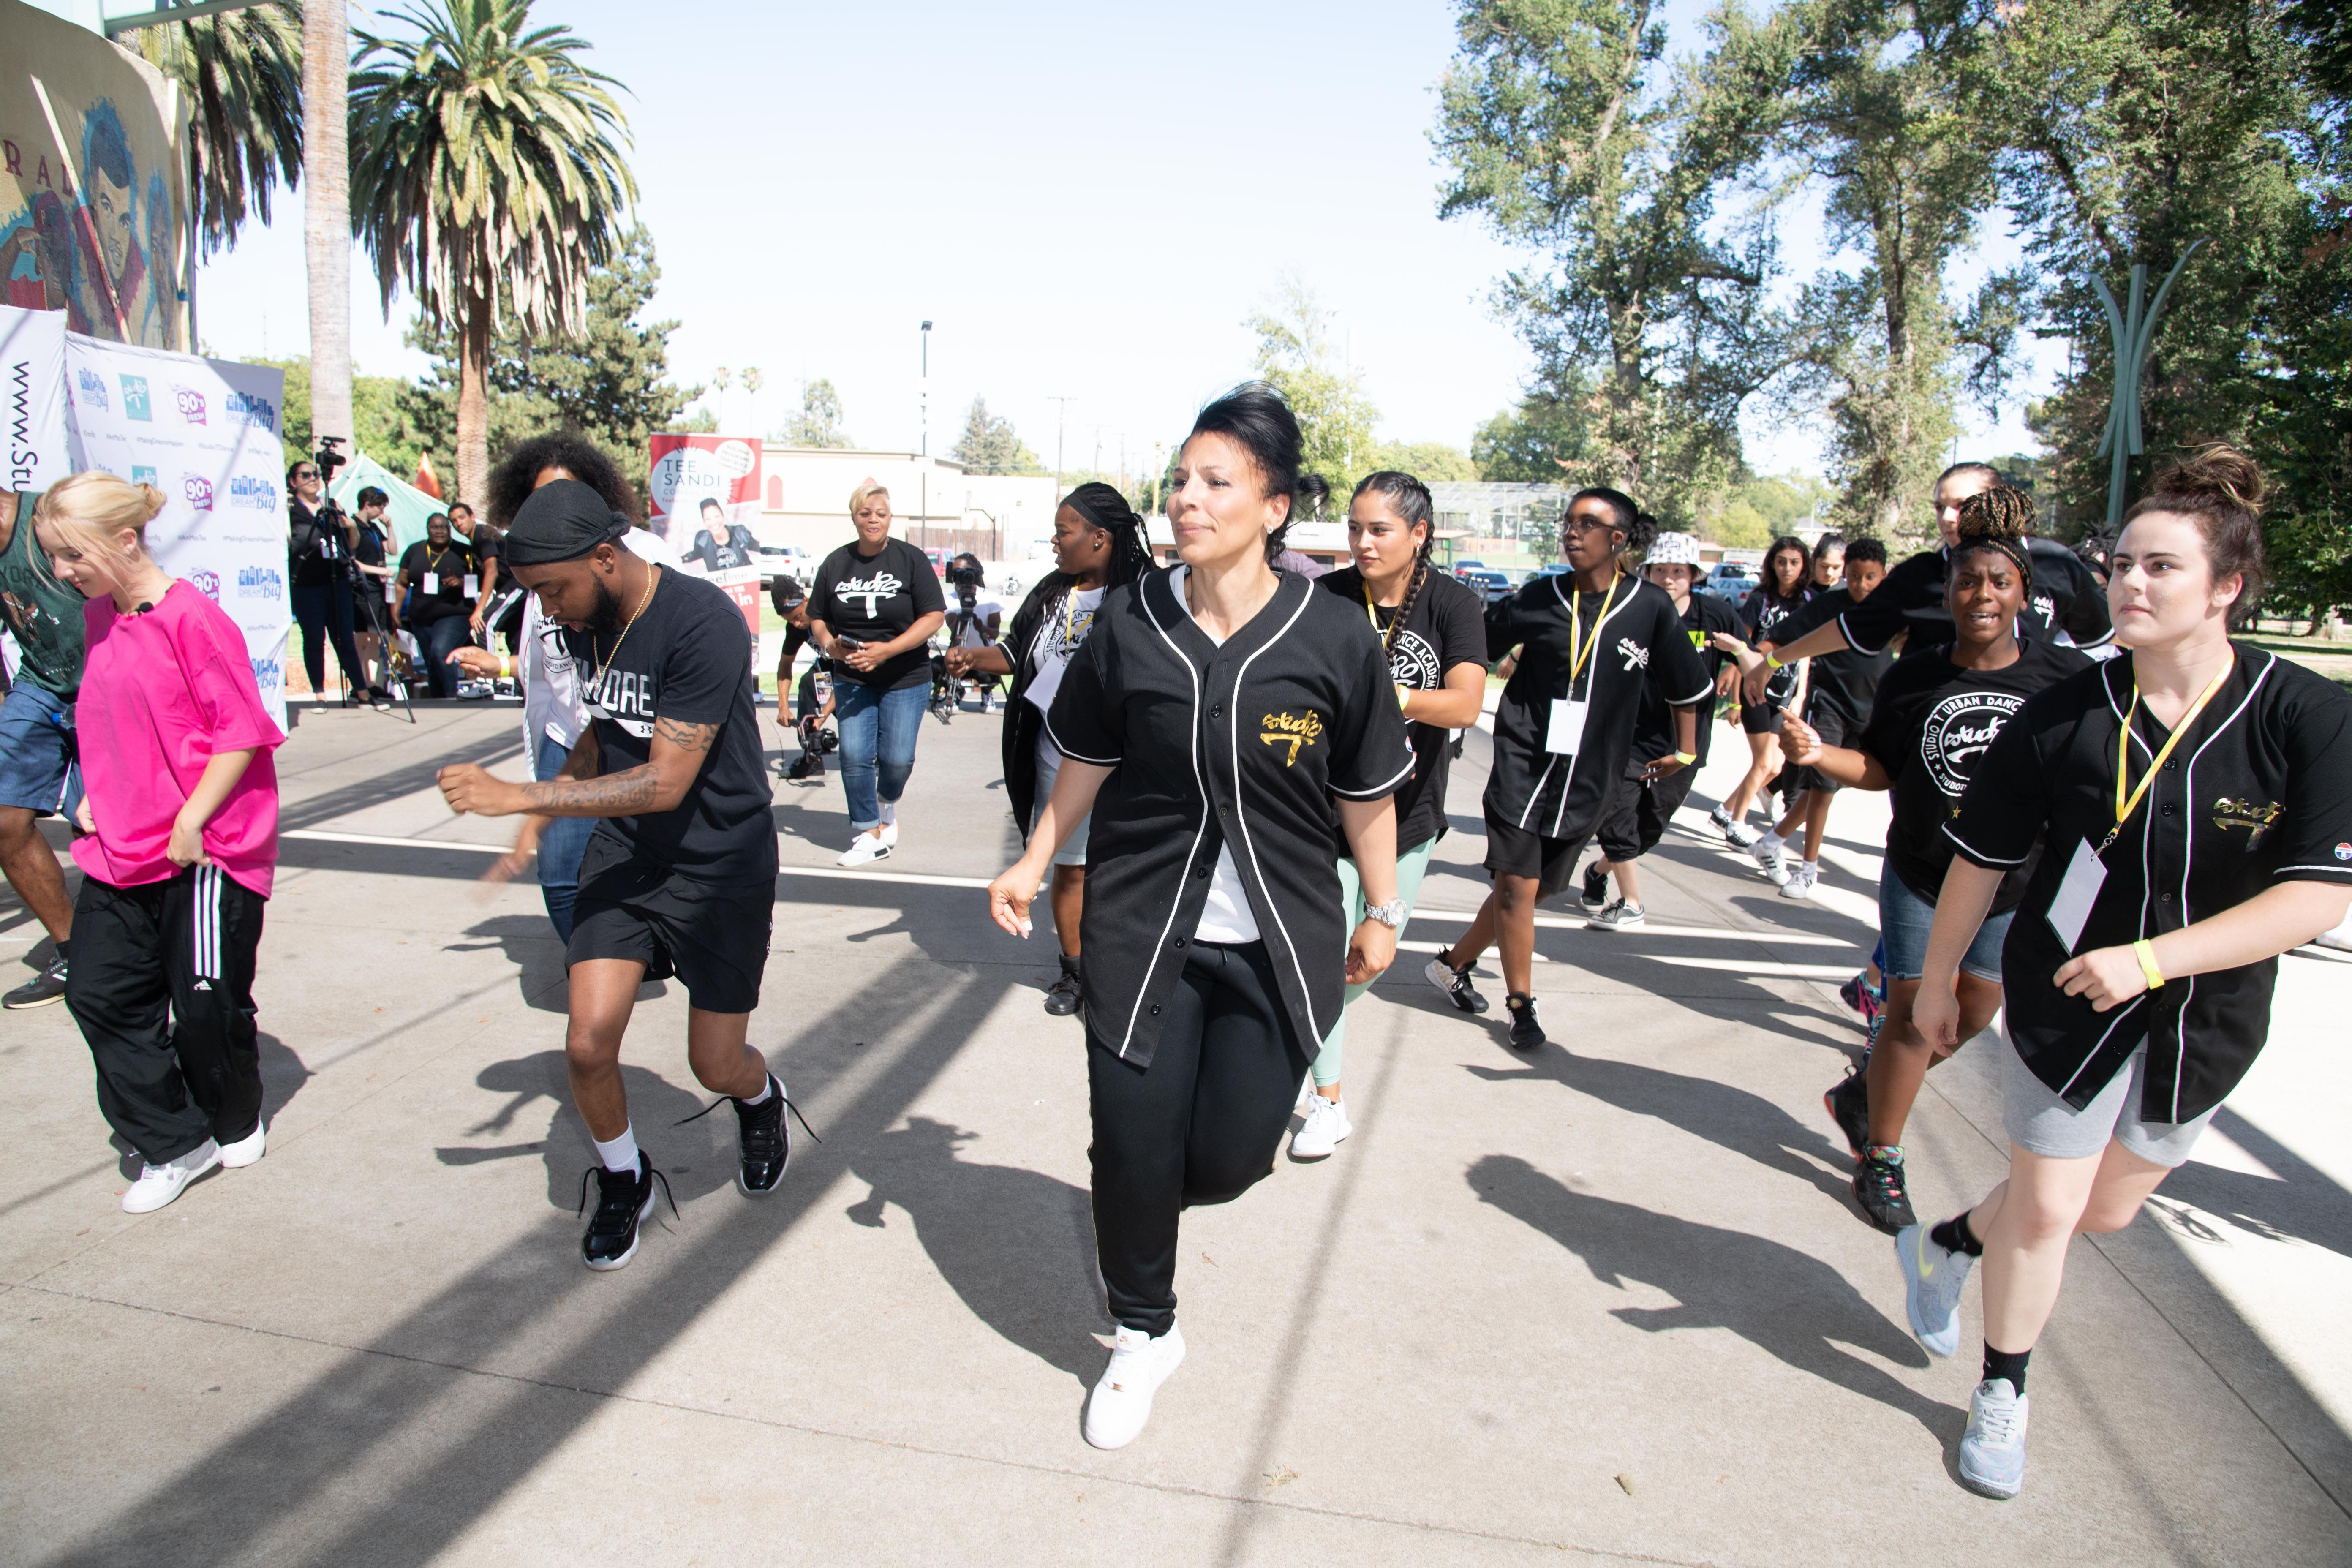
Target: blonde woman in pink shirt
{"points": [[179, 840]]}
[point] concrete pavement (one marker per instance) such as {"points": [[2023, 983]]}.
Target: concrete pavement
{"points": [[1612, 1301]]}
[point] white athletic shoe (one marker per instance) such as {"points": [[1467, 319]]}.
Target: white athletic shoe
{"points": [[890, 833], [1802, 878], [1736, 833], [1769, 850], [159, 1184], [1326, 1123], [1619, 916], [246, 1150], [1993, 1450], [1121, 1401], [863, 850]]}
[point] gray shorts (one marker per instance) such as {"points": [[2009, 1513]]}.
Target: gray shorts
{"points": [[1073, 851], [2040, 1124]]}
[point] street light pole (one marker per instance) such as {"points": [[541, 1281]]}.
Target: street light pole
{"points": [[923, 417], [1061, 431]]}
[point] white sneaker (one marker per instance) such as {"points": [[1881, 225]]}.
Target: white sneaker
{"points": [[159, 1184], [1121, 1401], [1740, 835], [1326, 1123], [1619, 916], [890, 833], [246, 1150], [863, 850], [1800, 880], [1993, 1450], [1768, 850]]}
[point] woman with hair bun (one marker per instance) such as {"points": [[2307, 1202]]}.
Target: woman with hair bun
{"points": [[1224, 724], [2194, 795], [1097, 546], [1934, 715], [179, 844]]}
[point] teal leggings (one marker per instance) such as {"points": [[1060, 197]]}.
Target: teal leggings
{"points": [[1411, 866]]}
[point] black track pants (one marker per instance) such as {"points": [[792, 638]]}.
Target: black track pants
{"points": [[161, 984], [1201, 1125]]}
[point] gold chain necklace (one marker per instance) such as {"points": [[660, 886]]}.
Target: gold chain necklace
{"points": [[643, 600]]}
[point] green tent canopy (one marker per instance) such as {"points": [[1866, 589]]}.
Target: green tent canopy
{"points": [[406, 509]]}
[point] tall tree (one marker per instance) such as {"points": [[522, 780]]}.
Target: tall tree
{"points": [[1325, 395], [818, 423], [490, 179], [243, 74], [990, 445], [1559, 133], [1545, 440], [327, 212]]}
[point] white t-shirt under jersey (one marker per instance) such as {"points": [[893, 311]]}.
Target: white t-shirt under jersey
{"points": [[1227, 916]]}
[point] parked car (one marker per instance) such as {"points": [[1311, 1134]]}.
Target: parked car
{"points": [[782, 561], [1732, 581], [1463, 569], [1491, 587]]}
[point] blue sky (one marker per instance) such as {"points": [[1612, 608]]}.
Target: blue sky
{"points": [[1086, 200]]}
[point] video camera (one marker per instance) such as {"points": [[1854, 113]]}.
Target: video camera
{"points": [[964, 576], [328, 459]]}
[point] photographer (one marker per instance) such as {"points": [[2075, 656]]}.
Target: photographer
{"points": [[319, 543], [801, 716], [371, 580], [975, 623], [436, 589]]}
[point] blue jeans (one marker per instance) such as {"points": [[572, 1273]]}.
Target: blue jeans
{"points": [[438, 640], [561, 844], [1904, 920], [877, 745]]}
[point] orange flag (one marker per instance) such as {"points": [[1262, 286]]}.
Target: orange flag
{"points": [[425, 479]]}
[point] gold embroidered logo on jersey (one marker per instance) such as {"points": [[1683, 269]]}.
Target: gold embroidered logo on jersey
{"points": [[1281, 729], [2257, 819]]}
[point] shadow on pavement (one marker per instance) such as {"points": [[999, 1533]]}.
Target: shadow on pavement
{"points": [[699, 1161], [1793, 1307], [528, 941], [2304, 1204], [1016, 1246]]}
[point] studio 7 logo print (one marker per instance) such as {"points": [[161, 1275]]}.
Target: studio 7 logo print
{"points": [[1281, 729], [1632, 653], [873, 590], [1958, 731]]}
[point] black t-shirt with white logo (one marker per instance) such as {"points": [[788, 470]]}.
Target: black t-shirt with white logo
{"points": [[875, 598], [1448, 627], [687, 660], [1931, 725]]}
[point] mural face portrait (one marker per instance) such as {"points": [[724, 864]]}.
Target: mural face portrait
{"points": [[109, 181]]}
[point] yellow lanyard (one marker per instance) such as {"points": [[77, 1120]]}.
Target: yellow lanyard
{"points": [[1070, 620], [2125, 807], [1577, 661]]}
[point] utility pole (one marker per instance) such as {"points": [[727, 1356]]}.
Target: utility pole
{"points": [[923, 417], [1061, 433]]}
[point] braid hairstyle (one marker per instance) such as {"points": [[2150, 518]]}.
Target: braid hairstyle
{"points": [[1104, 507], [1409, 499], [1998, 518]]}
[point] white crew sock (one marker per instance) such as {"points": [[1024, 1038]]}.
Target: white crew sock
{"points": [[1770, 840], [621, 1153], [766, 1088], [889, 813]]}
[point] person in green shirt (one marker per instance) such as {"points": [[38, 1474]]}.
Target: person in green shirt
{"points": [[37, 774]]}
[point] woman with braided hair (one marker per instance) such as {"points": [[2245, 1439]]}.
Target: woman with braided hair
{"points": [[1434, 632], [1097, 546]]}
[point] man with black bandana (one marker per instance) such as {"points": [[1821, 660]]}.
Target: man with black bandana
{"points": [[679, 875]]}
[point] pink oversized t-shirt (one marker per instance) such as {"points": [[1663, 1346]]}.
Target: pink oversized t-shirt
{"points": [[161, 693]]}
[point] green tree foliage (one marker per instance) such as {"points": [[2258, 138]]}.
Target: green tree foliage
{"points": [[990, 445], [1545, 440], [1296, 358], [818, 423], [1431, 462], [488, 174], [243, 74], [381, 424]]}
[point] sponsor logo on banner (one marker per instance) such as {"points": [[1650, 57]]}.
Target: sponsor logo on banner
{"points": [[267, 674], [207, 583], [192, 404], [90, 391], [134, 398], [141, 474], [251, 490], [260, 583], [246, 408], [198, 490]]}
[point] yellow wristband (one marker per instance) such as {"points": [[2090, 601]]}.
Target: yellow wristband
{"points": [[1771, 661], [1686, 758], [506, 667], [2146, 956]]}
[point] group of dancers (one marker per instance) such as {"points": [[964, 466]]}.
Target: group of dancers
{"points": [[1230, 778]]}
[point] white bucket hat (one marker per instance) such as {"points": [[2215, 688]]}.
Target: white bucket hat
{"points": [[1673, 550]]}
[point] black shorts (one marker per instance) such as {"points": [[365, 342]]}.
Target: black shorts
{"points": [[1637, 813], [1759, 718], [1836, 728], [714, 939], [1513, 851]]}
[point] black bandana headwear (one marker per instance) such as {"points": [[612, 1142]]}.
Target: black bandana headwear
{"points": [[1102, 506], [562, 520]]}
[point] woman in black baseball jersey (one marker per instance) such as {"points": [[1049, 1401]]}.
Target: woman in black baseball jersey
{"points": [[2195, 797], [1934, 715], [1781, 592], [1224, 725], [1591, 643], [1097, 546]]}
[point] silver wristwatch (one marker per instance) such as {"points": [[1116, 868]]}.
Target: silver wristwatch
{"points": [[1391, 914]]}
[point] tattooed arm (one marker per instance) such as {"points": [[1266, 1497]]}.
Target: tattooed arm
{"points": [[675, 759]]}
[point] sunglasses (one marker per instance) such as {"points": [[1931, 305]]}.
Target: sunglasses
{"points": [[306, 473]]}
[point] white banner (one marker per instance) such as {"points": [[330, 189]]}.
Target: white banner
{"points": [[33, 387], [204, 432]]}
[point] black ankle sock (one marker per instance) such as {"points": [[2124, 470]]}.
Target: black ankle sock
{"points": [[1954, 1236], [1070, 963], [1518, 998], [62, 949], [2010, 1364]]}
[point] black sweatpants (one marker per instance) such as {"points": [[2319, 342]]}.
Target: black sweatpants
{"points": [[1638, 814], [161, 984], [1200, 1125]]}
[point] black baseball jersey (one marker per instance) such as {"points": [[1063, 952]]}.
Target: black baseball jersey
{"points": [[2064, 597], [1242, 744], [2259, 792], [1769, 618], [1640, 644], [1654, 733]]}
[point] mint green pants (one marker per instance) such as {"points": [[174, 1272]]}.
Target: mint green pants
{"points": [[1411, 867]]}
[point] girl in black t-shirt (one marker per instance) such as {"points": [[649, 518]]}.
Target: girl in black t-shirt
{"points": [[2196, 797], [1780, 593], [1933, 718], [431, 599]]}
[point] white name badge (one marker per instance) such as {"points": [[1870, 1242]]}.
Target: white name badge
{"points": [[1565, 734], [431, 583], [1045, 683], [2085, 874], [473, 586]]}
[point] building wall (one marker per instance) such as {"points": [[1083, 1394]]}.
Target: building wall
{"points": [[999, 517]]}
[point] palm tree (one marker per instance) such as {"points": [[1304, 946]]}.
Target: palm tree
{"points": [[327, 212], [243, 76], [488, 175]]}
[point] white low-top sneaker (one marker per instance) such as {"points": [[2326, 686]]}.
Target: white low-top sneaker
{"points": [[159, 1184], [1802, 878], [890, 833], [1326, 1123], [1933, 1279], [1121, 1401], [1771, 854], [1993, 1450], [246, 1150], [863, 850]]}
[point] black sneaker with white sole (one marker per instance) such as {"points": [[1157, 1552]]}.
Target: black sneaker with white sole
{"points": [[1879, 1188], [765, 1140], [1596, 885], [1526, 1033], [622, 1200], [1455, 984], [1849, 1106], [48, 987]]}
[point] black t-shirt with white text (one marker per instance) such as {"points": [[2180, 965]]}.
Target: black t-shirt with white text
{"points": [[1931, 723], [1769, 620], [687, 658], [1448, 627], [875, 598]]}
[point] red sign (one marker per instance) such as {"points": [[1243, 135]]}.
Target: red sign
{"points": [[706, 495]]}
